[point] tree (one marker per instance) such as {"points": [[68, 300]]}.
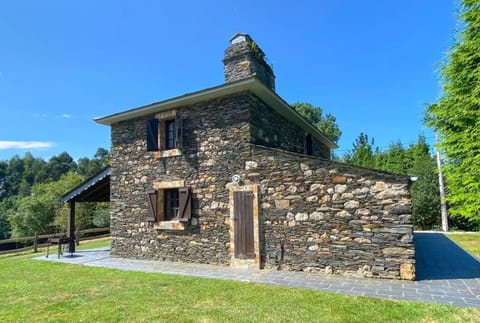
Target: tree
{"points": [[327, 125], [30, 191], [8, 206], [36, 212], [4, 224], [101, 215], [86, 214], [425, 191], [103, 155], [12, 177], [3, 176], [396, 159], [90, 167], [362, 152], [456, 115], [60, 165], [425, 195]]}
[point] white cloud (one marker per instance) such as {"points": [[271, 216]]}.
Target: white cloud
{"points": [[25, 144], [57, 116]]}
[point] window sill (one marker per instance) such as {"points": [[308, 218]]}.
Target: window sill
{"points": [[168, 153], [171, 225]]}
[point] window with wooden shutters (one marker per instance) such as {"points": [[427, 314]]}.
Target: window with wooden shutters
{"points": [[165, 134], [169, 204]]}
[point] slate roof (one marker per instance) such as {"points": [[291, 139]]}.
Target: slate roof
{"points": [[94, 189]]}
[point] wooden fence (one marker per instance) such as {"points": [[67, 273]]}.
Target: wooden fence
{"points": [[86, 234]]}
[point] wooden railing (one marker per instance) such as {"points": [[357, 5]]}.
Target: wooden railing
{"points": [[79, 235]]}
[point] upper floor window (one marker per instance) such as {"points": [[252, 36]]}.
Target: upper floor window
{"points": [[170, 134], [164, 133], [308, 145]]}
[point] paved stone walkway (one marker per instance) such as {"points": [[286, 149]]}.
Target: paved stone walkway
{"points": [[447, 274]]}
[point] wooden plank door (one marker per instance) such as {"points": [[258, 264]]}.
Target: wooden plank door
{"points": [[243, 217]]}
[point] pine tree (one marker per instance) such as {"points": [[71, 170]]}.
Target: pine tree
{"points": [[456, 115], [362, 152], [327, 125]]}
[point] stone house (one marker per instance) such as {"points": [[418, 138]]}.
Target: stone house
{"points": [[232, 175]]}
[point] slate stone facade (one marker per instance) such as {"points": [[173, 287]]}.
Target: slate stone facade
{"points": [[210, 155], [265, 131], [318, 215], [313, 214]]}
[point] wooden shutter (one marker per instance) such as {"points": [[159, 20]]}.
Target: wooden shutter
{"points": [[184, 203], [152, 134], [243, 217], [178, 130], [152, 206]]}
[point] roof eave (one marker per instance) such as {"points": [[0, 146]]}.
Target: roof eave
{"points": [[77, 190], [186, 99], [248, 84]]}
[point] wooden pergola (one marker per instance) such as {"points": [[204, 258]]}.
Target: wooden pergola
{"points": [[94, 189]]}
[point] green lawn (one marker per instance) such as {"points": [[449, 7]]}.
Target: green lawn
{"points": [[469, 241], [92, 244], [40, 291]]}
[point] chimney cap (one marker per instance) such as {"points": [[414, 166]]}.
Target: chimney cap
{"points": [[240, 37]]}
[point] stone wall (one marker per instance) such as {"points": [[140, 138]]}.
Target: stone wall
{"points": [[318, 215], [270, 129], [315, 215], [209, 156]]}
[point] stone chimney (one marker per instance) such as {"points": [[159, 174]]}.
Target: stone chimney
{"points": [[243, 58]]}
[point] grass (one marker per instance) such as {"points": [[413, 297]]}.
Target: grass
{"points": [[469, 241], [40, 291], [92, 244]]}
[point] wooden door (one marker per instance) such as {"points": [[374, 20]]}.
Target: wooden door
{"points": [[243, 217]]}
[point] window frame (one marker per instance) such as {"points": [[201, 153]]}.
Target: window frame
{"points": [[159, 202], [164, 134], [170, 134], [308, 145], [170, 204]]}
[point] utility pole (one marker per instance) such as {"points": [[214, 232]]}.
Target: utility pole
{"points": [[441, 184]]}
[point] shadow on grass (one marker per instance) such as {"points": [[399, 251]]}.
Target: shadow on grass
{"points": [[437, 257]]}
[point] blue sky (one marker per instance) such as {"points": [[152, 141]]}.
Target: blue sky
{"points": [[372, 64]]}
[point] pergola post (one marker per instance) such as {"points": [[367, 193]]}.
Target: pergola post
{"points": [[71, 226], [94, 189]]}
